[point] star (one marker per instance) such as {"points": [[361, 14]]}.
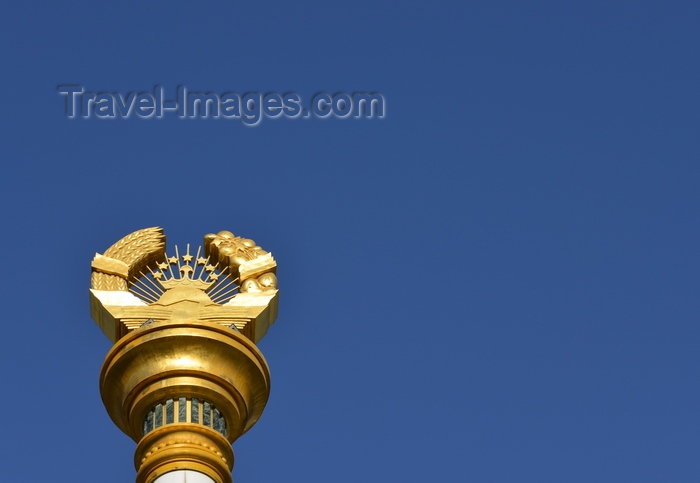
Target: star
{"points": [[158, 275], [202, 261], [162, 266], [172, 260], [187, 258], [209, 268], [214, 276]]}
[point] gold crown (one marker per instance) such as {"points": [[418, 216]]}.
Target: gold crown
{"points": [[185, 271]]}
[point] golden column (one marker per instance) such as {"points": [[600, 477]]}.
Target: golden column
{"points": [[184, 378]]}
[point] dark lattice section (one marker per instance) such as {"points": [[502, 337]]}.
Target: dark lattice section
{"points": [[183, 410]]}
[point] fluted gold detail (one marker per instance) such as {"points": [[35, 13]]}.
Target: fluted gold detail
{"points": [[183, 447]]}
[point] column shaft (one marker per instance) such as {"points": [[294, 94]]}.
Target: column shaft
{"points": [[184, 476]]}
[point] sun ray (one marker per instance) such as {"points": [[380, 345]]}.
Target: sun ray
{"points": [[222, 296], [217, 282], [170, 265], [138, 291], [155, 279], [221, 286], [157, 292]]}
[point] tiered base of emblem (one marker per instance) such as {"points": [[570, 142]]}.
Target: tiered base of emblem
{"points": [[184, 392]]}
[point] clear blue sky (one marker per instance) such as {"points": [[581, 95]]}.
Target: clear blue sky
{"points": [[497, 282]]}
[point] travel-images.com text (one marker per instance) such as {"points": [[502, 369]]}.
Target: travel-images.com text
{"points": [[249, 108]]}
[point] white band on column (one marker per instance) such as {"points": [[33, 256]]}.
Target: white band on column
{"points": [[184, 476]]}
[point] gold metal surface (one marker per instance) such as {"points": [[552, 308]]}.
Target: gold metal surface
{"points": [[181, 447], [184, 328], [135, 281], [189, 359]]}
